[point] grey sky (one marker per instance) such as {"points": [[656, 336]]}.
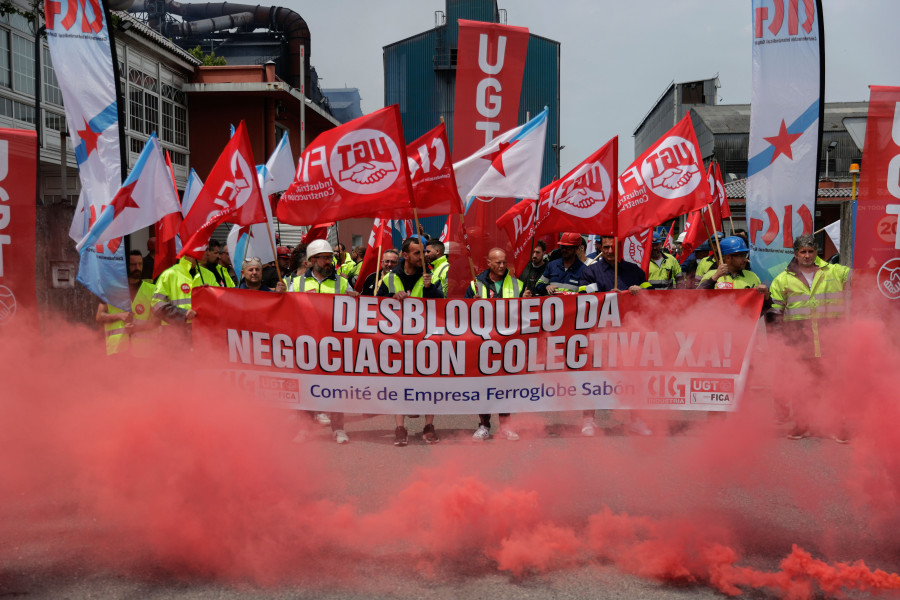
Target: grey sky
{"points": [[617, 56]]}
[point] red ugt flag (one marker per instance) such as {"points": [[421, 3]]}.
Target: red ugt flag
{"points": [[231, 194], [717, 191], [379, 240], [585, 199], [356, 170], [518, 222], [664, 182], [431, 172]]}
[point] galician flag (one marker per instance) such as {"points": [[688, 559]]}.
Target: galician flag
{"points": [[508, 167], [145, 197]]}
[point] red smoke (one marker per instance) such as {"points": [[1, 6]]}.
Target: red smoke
{"points": [[162, 467]]}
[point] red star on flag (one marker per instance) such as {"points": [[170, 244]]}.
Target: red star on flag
{"points": [[89, 138], [124, 200], [496, 157], [782, 142]]}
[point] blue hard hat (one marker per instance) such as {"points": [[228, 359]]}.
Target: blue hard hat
{"points": [[732, 245], [704, 247], [657, 238]]}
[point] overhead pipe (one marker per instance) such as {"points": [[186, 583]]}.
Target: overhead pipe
{"points": [[209, 17]]}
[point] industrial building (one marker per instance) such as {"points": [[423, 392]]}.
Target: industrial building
{"points": [[723, 134]]}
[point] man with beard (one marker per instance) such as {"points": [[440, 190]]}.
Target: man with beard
{"points": [[410, 279], [663, 272], [130, 331], [209, 271], [536, 266], [562, 275], [321, 278]]}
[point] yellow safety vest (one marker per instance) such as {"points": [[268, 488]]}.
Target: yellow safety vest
{"points": [[703, 266], [311, 284], [394, 285], [795, 301], [441, 269], [662, 276], [174, 285], [746, 280], [511, 287], [117, 340]]}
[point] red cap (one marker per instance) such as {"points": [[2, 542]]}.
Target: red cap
{"points": [[570, 239], [284, 251]]}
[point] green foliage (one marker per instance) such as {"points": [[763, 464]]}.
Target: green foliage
{"points": [[36, 15], [208, 60]]}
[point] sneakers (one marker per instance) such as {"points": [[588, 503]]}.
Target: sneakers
{"points": [[430, 435], [638, 427], [322, 419], [588, 428], [798, 433], [401, 437], [340, 436], [508, 434], [481, 434]]}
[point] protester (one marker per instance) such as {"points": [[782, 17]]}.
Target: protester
{"points": [[710, 262], [663, 271], [563, 274], [298, 266], [536, 266], [226, 267], [410, 279], [342, 261], [496, 282], [389, 260], [208, 268], [172, 299], [251, 277], [440, 265], [130, 331], [600, 277], [321, 278], [148, 260], [732, 273], [807, 296], [679, 242]]}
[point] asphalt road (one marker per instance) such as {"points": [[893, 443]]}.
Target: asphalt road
{"points": [[697, 477]]}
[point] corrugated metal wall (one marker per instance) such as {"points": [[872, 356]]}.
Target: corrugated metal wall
{"points": [[420, 76]]}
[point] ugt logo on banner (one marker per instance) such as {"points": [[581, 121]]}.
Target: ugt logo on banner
{"points": [[365, 161]]}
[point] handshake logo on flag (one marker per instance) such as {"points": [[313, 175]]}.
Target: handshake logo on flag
{"points": [[584, 193], [366, 161], [671, 171]]}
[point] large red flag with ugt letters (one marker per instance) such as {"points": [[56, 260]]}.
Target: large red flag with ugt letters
{"points": [[231, 193], [356, 170], [664, 182]]}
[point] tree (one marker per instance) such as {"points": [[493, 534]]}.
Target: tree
{"points": [[208, 60]]}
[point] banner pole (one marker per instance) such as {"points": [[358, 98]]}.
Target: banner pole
{"points": [[616, 265]]}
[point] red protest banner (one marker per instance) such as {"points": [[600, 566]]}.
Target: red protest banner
{"points": [[380, 355], [876, 253], [18, 153], [664, 182]]}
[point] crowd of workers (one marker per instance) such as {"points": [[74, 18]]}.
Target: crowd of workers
{"points": [[808, 291]]}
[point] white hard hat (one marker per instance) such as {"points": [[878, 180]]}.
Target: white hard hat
{"points": [[681, 237], [318, 247]]}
